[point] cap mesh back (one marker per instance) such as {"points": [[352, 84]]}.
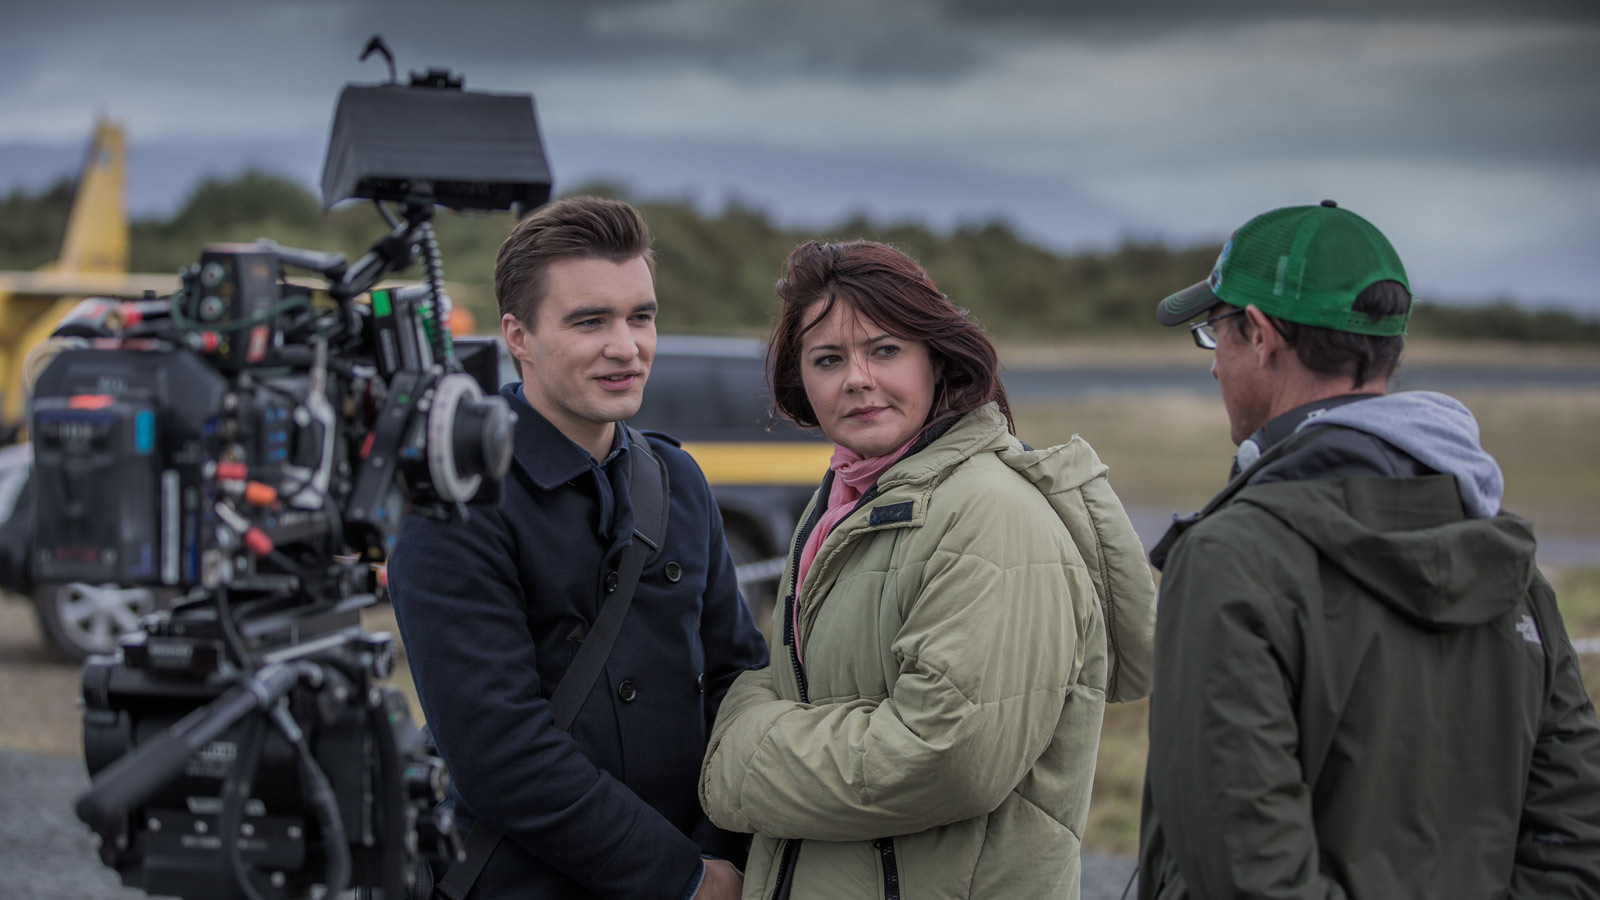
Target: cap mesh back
{"points": [[1307, 264]]}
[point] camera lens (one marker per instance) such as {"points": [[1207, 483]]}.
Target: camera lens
{"points": [[497, 422], [483, 437], [469, 438]]}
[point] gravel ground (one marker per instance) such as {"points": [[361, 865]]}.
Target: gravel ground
{"points": [[49, 855]]}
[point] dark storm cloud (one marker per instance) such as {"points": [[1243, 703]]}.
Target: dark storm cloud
{"points": [[1470, 124], [1053, 12], [1523, 103], [841, 38], [1528, 101], [528, 35], [1533, 108], [886, 40]]}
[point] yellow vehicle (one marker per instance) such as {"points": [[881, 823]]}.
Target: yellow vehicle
{"points": [[93, 262], [78, 619]]}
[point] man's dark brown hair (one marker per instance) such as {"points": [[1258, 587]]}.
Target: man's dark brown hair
{"points": [[580, 227], [1358, 357]]}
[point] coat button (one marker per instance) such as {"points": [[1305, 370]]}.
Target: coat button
{"points": [[674, 572], [626, 692], [611, 582], [700, 682]]}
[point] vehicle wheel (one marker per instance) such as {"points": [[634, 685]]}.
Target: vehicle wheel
{"points": [[81, 620], [760, 593]]}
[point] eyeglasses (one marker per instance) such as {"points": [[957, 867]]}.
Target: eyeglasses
{"points": [[1204, 331]]}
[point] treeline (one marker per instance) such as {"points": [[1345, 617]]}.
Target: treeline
{"points": [[715, 272]]}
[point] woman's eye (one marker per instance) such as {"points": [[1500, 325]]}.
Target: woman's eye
{"points": [[825, 362], [886, 350]]}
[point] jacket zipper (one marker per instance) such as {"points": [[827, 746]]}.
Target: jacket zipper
{"points": [[791, 848], [790, 639], [891, 872]]}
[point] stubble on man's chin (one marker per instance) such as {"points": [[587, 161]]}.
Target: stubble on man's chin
{"points": [[622, 412]]}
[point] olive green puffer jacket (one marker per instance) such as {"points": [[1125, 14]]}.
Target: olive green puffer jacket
{"points": [[940, 740]]}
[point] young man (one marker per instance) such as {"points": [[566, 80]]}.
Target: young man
{"points": [[1363, 687], [494, 611]]}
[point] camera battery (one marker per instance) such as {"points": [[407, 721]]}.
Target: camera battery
{"points": [[97, 466]]}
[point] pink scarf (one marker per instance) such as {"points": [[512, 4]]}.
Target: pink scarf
{"points": [[852, 476]]}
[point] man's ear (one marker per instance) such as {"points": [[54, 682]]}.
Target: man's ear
{"points": [[1265, 341], [515, 335]]}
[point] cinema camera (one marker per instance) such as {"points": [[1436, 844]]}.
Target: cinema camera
{"points": [[257, 444]]}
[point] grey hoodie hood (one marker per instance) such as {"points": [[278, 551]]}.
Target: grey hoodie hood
{"points": [[1433, 428]]}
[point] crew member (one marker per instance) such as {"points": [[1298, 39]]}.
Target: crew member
{"points": [[1363, 688]]}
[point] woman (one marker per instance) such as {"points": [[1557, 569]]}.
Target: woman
{"points": [[931, 729]]}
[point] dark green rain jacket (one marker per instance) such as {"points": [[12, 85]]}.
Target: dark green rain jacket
{"points": [[1360, 692]]}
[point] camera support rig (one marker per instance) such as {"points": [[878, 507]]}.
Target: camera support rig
{"points": [[218, 772], [243, 444]]}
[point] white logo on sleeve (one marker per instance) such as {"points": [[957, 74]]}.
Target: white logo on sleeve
{"points": [[1528, 630]]}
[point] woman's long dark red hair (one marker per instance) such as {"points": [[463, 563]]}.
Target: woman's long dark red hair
{"points": [[887, 287]]}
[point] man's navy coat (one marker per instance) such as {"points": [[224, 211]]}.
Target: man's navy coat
{"points": [[492, 612]]}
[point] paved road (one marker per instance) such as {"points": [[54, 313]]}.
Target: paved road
{"points": [[1055, 383], [46, 854]]}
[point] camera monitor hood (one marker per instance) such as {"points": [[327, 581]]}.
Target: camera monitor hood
{"points": [[432, 142]]}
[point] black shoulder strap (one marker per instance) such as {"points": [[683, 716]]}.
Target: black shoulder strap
{"points": [[647, 487]]}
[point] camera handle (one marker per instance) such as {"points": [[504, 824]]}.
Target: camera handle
{"points": [[136, 777], [390, 253]]}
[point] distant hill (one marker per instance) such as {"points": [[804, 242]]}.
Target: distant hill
{"points": [[716, 270]]}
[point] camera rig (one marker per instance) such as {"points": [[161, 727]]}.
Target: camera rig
{"points": [[258, 444]]}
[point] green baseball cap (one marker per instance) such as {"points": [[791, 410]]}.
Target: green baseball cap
{"points": [[1303, 264]]}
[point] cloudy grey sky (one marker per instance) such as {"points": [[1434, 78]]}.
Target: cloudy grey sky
{"points": [[1466, 129]]}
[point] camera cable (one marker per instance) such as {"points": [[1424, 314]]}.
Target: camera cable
{"points": [[433, 271], [323, 801], [314, 783], [318, 792], [235, 796], [230, 630]]}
